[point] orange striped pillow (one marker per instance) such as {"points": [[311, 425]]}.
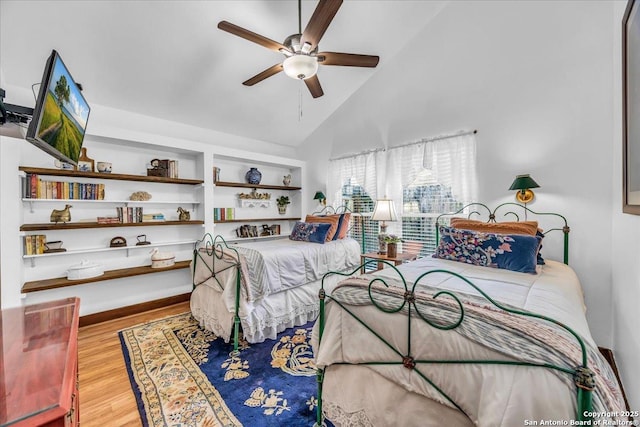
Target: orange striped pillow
{"points": [[516, 227], [333, 220]]}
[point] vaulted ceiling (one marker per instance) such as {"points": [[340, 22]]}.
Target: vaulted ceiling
{"points": [[167, 59]]}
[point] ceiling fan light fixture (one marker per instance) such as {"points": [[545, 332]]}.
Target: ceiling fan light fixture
{"points": [[300, 66]]}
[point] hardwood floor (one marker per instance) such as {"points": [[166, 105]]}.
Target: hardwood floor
{"points": [[106, 397]]}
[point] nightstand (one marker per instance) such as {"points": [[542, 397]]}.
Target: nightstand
{"points": [[397, 260]]}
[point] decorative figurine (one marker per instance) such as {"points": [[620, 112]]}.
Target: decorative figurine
{"points": [[184, 215], [140, 196], [286, 180], [63, 215], [142, 240], [118, 242], [54, 246], [85, 164]]}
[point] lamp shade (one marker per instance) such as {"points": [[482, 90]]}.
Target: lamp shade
{"points": [[319, 196], [384, 210], [523, 182], [300, 66]]}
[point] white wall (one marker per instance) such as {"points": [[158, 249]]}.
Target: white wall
{"points": [[535, 79], [625, 247]]}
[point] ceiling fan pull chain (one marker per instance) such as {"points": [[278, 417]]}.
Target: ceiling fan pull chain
{"points": [[300, 101]]}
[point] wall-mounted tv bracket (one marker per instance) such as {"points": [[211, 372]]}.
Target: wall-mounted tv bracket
{"points": [[10, 113]]}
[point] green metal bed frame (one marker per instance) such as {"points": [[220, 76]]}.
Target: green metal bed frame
{"points": [[583, 376], [217, 248]]}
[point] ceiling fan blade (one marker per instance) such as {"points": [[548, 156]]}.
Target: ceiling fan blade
{"points": [[314, 86], [347, 59], [251, 36], [263, 75], [319, 22]]}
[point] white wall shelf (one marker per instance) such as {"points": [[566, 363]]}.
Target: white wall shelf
{"points": [[33, 258], [123, 202]]}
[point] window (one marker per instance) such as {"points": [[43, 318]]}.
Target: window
{"points": [[422, 201], [363, 229], [424, 179], [429, 178]]}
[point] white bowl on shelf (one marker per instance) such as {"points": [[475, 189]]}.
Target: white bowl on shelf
{"points": [[84, 270], [162, 259]]}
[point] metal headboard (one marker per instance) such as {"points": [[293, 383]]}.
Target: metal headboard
{"points": [[502, 211]]}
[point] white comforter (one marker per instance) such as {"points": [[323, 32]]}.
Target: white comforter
{"points": [[491, 395], [283, 294], [282, 264]]}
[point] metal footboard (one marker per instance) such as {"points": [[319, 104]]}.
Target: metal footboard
{"points": [[222, 258], [582, 375]]}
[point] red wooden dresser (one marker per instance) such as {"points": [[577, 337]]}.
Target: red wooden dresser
{"points": [[39, 365]]}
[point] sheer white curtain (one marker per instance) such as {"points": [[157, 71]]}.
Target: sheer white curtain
{"points": [[363, 168], [449, 161], [453, 163]]}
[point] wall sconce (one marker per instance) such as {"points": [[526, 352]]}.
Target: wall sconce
{"points": [[384, 210], [320, 197], [524, 183]]}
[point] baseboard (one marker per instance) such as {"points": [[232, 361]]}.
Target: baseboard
{"points": [[608, 355], [117, 313]]}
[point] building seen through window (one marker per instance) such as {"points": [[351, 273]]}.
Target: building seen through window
{"points": [[423, 200]]}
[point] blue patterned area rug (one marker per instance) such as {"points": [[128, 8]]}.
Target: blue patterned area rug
{"points": [[184, 376]]}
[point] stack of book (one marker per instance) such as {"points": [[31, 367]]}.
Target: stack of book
{"points": [[165, 168], [129, 214], [152, 217], [34, 244], [35, 188], [222, 214], [108, 220]]}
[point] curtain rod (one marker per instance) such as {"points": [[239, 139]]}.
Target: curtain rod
{"points": [[362, 153], [435, 138]]}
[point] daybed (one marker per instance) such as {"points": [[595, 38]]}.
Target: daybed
{"points": [[439, 342], [264, 286]]}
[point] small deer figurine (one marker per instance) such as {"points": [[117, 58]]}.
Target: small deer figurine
{"points": [[184, 215], [63, 215]]}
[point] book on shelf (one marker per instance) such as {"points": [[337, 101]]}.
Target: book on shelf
{"points": [[163, 167], [153, 217], [37, 188], [34, 244], [108, 220], [129, 214], [223, 214]]}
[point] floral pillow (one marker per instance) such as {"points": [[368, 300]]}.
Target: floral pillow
{"points": [[315, 232], [516, 252]]}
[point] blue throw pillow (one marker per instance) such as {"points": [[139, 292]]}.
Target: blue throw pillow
{"points": [[314, 232], [516, 252]]}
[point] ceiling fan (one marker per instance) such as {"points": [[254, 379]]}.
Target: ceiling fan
{"points": [[301, 49]]}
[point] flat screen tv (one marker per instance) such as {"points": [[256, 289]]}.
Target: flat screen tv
{"points": [[60, 115]]}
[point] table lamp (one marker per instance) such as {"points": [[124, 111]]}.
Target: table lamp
{"points": [[384, 210]]}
